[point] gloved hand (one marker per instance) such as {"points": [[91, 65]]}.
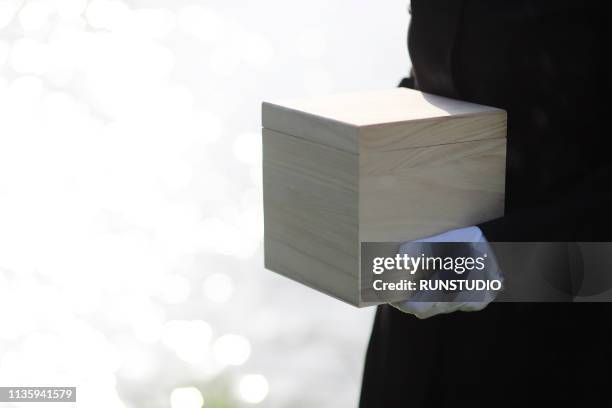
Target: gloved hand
{"points": [[466, 301]]}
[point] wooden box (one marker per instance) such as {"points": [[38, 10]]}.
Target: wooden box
{"points": [[382, 166]]}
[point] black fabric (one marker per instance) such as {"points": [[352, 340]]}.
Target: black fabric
{"points": [[546, 63]]}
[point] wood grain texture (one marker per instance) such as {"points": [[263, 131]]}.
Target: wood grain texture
{"points": [[385, 166], [310, 214], [346, 121], [432, 132], [415, 193]]}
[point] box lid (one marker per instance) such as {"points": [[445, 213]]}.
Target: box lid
{"points": [[352, 121]]}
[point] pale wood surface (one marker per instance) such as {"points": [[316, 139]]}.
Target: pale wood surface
{"points": [[342, 120], [432, 132], [310, 214], [415, 193], [387, 166]]}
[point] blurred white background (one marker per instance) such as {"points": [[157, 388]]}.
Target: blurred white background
{"points": [[130, 198]]}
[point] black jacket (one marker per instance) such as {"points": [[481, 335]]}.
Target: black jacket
{"points": [[546, 63]]}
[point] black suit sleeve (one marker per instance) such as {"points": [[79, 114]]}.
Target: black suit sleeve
{"points": [[583, 214]]}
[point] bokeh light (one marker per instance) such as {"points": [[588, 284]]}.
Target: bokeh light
{"points": [[247, 148], [175, 289], [189, 339], [35, 15], [218, 287], [186, 397], [232, 349], [312, 43], [8, 9], [131, 229], [253, 388]]}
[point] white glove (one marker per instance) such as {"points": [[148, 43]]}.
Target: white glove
{"points": [[466, 301]]}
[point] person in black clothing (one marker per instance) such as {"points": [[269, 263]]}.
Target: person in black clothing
{"points": [[545, 63]]}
